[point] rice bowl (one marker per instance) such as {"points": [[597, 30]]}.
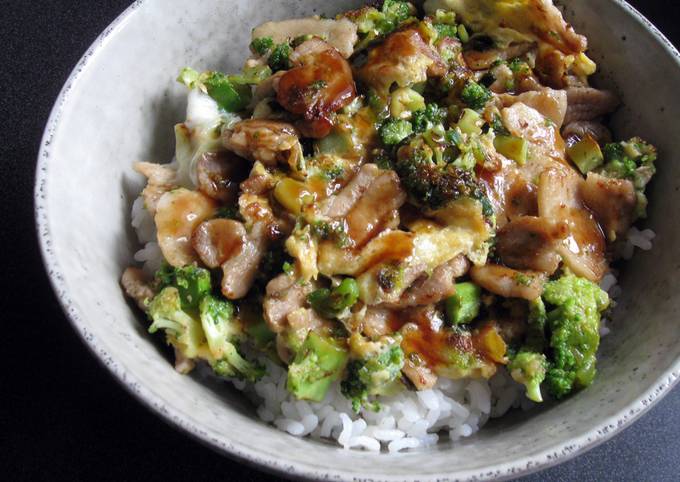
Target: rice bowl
{"points": [[579, 397]]}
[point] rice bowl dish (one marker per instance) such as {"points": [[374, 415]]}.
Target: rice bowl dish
{"points": [[381, 252]]}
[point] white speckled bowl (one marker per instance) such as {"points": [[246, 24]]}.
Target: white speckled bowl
{"points": [[119, 106]]}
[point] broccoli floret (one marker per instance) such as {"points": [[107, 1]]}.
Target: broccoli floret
{"points": [[376, 373], [429, 117], [192, 283], [373, 23], [279, 59], [261, 45], [319, 362], [429, 183], [223, 332], [529, 369], [230, 93], [475, 95], [633, 160], [463, 306], [393, 131], [573, 320], [182, 330], [330, 303], [444, 30]]}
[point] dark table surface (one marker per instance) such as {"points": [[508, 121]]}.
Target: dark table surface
{"points": [[62, 416]]}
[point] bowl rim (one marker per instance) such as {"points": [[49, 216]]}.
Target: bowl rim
{"points": [[530, 463]]}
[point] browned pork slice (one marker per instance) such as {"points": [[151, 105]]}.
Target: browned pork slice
{"points": [[435, 287], [546, 146], [339, 205], [284, 295], [375, 322], [508, 282], [549, 102], [376, 209], [239, 271], [178, 214], [404, 58], [612, 200], [219, 174], [587, 103], [268, 141], [530, 243], [319, 84], [160, 179], [137, 286], [340, 33], [484, 59], [559, 201], [577, 130], [420, 375], [218, 240]]}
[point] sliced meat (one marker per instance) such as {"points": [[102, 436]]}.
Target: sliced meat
{"points": [[319, 84], [218, 240], [376, 208], [403, 58], [612, 200], [508, 282], [178, 214], [341, 33], [270, 142], [577, 130], [376, 322], [388, 247], [530, 243], [546, 146], [160, 179], [559, 200], [137, 286], [484, 59], [340, 204], [435, 287], [520, 198], [586, 103], [284, 295], [239, 272], [420, 375], [219, 175], [549, 102]]}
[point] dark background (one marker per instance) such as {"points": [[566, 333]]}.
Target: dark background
{"points": [[62, 416]]}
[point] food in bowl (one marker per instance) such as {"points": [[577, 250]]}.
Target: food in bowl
{"points": [[394, 224]]}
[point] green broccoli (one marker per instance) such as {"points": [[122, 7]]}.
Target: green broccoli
{"points": [[425, 119], [373, 23], [444, 30], [279, 59], [192, 283], [230, 94], [182, 330], [261, 45], [463, 306], [475, 95], [393, 131], [330, 303], [633, 160], [377, 373], [429, 183], [573, 321], [529, 368], [223, 332], [319, 362]]}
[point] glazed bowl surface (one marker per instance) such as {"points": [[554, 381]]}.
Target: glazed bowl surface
{"points": [[120, 104]]}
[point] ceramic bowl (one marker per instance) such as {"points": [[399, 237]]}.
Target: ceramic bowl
{"points": [[119, 106]]}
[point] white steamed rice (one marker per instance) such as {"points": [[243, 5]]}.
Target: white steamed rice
{"points": [[453, 409]]}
